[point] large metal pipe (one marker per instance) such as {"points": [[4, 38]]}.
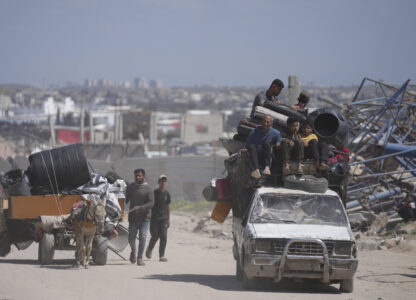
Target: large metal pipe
{"points": [[407, 151], [393, 191]]}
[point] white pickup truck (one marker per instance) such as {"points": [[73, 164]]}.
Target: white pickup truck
{"points": [[288, 233]]}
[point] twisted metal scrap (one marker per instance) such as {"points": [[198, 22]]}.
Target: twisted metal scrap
{"points": [[382, 144]]}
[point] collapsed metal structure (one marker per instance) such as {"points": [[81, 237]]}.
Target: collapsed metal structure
{"points": [[382, 145]]}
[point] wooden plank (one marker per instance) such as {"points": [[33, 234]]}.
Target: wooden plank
{"points": [[30, 207]]}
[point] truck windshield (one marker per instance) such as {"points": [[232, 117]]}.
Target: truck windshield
{"points": [[298, 209]]}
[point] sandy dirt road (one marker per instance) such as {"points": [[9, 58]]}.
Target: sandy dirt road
{"points": [[200, 267]]}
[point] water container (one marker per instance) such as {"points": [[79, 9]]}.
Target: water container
{"points": [[60, 169], [220, 211]]}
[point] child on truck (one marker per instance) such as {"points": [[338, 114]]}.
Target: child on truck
{"points": [[292, 146], [313, 148]]}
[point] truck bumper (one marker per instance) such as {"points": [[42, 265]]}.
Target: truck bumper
{"points": [[300, 266]]}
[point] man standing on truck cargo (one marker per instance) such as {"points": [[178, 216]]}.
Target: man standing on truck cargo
{"points": [[141, 198], [160, 221], [259, 144], [270, 95], [292, 146]]}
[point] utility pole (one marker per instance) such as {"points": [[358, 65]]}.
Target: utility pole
{"points": [[52, 131], [91, 120], [81, 126]]}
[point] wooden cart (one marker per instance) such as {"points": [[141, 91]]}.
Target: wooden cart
{"points": [[31, 207]]}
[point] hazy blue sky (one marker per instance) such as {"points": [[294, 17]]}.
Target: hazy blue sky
{"points": [[223, 42]]}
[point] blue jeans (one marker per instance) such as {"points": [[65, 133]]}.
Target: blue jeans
{"points": [[141, 226]]}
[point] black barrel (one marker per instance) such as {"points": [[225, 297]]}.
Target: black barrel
{"points": [[330, 126], [60, 169]]}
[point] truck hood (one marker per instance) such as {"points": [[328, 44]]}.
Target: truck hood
{"points": [[289, 231]]}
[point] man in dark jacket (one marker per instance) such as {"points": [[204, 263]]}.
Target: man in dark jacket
{"points": [[140, 196], [270, 95], [160, 221]]}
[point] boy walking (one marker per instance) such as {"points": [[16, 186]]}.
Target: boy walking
{"points": [[160, 220]]}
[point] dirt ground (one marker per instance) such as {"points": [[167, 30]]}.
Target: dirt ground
{"points": [[201, 266]]}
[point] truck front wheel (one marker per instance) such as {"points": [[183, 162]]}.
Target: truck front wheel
{"points": [[248, 284], [346, 286]]}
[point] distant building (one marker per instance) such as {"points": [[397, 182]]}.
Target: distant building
{"points": [[155, 84], [141, 83], [201, 126]]}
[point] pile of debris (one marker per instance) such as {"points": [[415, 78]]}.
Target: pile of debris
{"points": [[382, 152]]}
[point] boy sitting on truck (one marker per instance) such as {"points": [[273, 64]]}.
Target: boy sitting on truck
{"points": [[259, 145], [292, 146], [313, 148]]}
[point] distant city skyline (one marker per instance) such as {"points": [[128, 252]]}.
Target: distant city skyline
{"points": [[197, 42]]}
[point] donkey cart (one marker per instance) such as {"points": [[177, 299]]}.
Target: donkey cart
{"points": [[45, 217]]}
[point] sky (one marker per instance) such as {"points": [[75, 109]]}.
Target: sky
{"points": [[207, 42]]}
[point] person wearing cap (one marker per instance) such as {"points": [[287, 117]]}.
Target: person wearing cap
{"points": [[303, 100], [313, 148], [270, 95], [140, 197], [160, 220]]}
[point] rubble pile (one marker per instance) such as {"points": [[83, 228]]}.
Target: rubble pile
{"points": [[382, 154]]}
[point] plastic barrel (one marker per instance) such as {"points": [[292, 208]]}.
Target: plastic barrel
{"points": [[59, 169]]}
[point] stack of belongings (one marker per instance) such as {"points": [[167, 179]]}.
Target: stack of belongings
{"points": [[62, 170], [279, 112], [327, 123]]}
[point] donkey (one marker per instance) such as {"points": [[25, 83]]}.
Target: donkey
{"points": [[91, 218]]}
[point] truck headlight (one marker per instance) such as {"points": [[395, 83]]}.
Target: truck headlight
{"points": [[342, 249], [264, 245]]}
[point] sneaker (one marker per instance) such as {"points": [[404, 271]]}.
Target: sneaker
{"points": [[148, 253], [164, 259], [300, 169], [140, 262], [286, 169], [256, 174], [266, 171], [323, 166], [132, 257]]}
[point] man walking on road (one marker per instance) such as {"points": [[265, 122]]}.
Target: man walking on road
{"points": [[160, 219], [140, 196]]}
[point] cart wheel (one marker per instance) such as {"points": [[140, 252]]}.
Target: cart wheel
{"points": [[238, 271], [99, 250], [46, 249]]}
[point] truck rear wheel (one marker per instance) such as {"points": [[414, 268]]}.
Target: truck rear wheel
{"points": [[346, 286], [46, 249], [99, 251]]}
